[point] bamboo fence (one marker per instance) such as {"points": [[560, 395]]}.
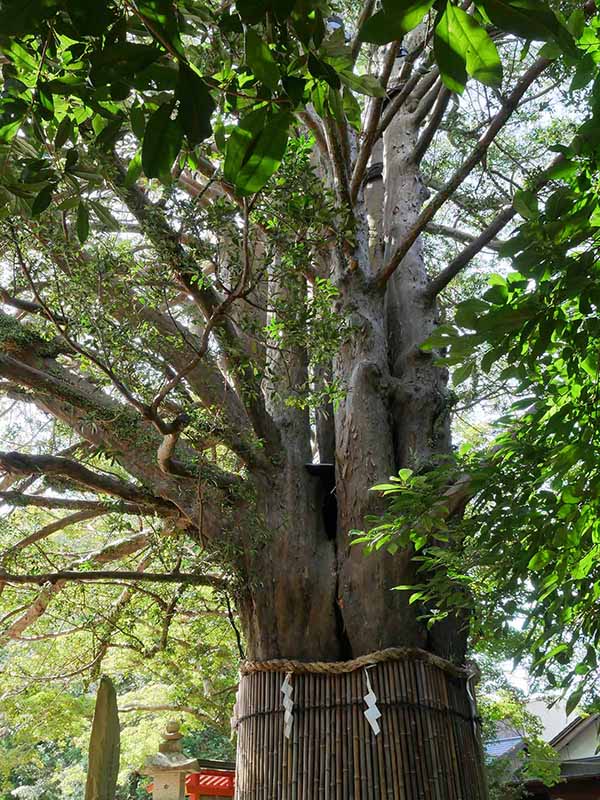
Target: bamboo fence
{"points": [[428, 747]]}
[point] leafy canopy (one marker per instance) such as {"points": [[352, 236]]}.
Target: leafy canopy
{"points": [[170, 73]]}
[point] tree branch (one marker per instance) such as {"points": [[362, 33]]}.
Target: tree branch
{"points": [[92, 576], [485, 239], [157, 707], [313, 124], [402, 94], [206, 298], [48, 530], [507, 108], [364, 15], [41, 501], [425, 139], [21, 464], [370, 129], [20, 304], [464, 236], [80, 397]]}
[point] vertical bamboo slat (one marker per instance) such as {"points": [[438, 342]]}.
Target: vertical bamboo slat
{"points": [[428, 747]]}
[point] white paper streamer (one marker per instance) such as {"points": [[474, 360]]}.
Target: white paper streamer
{"points": [[372, 713], [472, 703], [287, 690]]}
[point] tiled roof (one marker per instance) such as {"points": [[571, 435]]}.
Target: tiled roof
{"points": [[581, 767], [502, 747]]}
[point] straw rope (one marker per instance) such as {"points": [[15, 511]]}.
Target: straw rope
{"points": [[339, 667]]}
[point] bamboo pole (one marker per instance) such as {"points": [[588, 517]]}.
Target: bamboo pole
{"points": [[428, 747]]}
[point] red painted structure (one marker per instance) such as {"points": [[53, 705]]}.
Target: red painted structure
{"points": [[208, 784]]}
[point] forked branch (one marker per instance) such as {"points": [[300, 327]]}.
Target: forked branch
{"points": [[510, 104]]}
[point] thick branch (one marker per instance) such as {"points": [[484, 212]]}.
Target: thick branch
{"points": [[314, 125], [508, 107], [370, 129], [207, 299], [77, 398], [426, 137], [204, 378], [364, 15], [22, 464], [457, 264], [20, 304]]}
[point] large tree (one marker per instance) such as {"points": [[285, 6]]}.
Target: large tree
{"points": [[216, 283]]}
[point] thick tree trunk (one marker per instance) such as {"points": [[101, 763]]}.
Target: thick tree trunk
{"points": [[317, 598]]}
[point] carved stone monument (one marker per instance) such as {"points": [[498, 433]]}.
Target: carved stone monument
{"points": [[170, 766]]}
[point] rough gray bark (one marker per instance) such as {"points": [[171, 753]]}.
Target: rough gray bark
{"points": [[393, 414]]}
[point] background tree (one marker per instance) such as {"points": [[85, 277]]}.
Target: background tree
{"points": [[215, 276]]}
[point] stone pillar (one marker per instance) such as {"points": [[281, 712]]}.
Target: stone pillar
{"points": [[170, 766]]}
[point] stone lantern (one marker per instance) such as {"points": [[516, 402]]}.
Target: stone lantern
{"points": [[169, 767]]}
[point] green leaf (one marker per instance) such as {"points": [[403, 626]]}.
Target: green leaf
{"points": [[397, 18], [68, 203], [452, 63], [122, 59], [468, 312], [550, 50], [323, 71], [104, 215], [196, 106], [462, 373], [83, 222], [573, 699], [134, 170], [363, 84], [255, 150], [260, 60], [462, 44], [336, 105], [381, 28], [352, 109], [252, 11], [138, 121], [525, 203], [21, 57], [162, 142], [42, 201], [91, 18], [539, 560], [163, 22], [576, 23], [562, 170], [529, 19], [64, 130], [242, 140], [11, 118]]}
